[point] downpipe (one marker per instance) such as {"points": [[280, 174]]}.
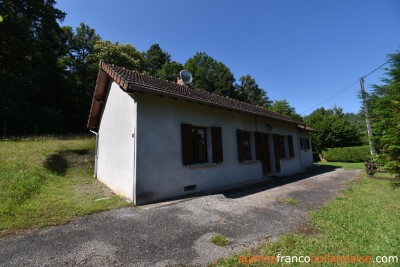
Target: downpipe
{"points": [[96, 153]]}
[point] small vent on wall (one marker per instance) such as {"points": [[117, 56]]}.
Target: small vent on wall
{"points": [[190, 187]]}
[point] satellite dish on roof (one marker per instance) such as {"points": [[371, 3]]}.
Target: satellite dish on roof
{"points": [[185, 76]]}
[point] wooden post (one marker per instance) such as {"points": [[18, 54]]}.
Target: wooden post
{"points": [[369, 128]]}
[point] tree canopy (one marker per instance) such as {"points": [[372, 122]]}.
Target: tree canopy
{"points": [[384, 104], [249, 91], [210, 74], [283, 107], [155, 58], [334, 129]]}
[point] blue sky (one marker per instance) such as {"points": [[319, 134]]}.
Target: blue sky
{"points": [[304, 51]]}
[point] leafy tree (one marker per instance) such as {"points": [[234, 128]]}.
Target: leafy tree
{"points": [[123, 55], [155, 58], [80, 46], [249, 91], [334, 129], [384, 104], [81, 71], [283, 107], [170, 71], [31, 44], [210, 74]]}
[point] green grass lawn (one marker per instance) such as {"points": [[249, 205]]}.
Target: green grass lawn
{"points": [[46, 181], [364, 220], [344, 165]]}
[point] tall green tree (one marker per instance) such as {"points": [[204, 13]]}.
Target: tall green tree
{"points": [[283, 107], [384, 103], [81, 71], [31, 44], [123, 55], [170, 71], [334, 129], [155, 58], [249, 91], [211, 75]]}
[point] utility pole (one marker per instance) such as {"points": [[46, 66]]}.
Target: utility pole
{"points": [[369, 128]]}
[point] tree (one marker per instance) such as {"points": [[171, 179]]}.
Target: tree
{"points": [[283, 107], [170, 71], [155, 58], [210, 74], [31, 44], [334, 129], [123, 55], [384, 103], [249, 91], [81, 71]]}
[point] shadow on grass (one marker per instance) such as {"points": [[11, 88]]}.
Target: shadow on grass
{"points": [[395, 185], [60, 162]]}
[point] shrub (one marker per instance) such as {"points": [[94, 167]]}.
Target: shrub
{"points": [[347, 154]]}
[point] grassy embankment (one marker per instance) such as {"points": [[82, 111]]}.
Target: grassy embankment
{"points": [[363, 220], [45, 181]]}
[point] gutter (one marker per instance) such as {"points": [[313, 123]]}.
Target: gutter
{"points": [[96, 156]]}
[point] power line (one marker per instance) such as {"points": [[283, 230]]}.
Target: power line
{"points": [[345, 89], [377, 68], [338, 93]]}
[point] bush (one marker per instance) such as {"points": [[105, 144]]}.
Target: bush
{"points": [[347, 154]]}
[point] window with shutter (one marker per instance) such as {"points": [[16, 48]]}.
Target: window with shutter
{"points": [[246, 146], [216, 141], [199, 139]]}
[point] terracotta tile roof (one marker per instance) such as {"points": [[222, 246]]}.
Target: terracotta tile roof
{"points": [[132, 81]]}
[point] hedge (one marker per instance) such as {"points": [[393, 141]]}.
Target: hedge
{"points": [[347, 154]]}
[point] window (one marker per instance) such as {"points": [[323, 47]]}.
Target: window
{"points": [[304, 143], [244, 145], [194, 144], [199, 140], [281, 147]]}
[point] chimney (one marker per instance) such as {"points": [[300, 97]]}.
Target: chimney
{"points": [[179, 81]]}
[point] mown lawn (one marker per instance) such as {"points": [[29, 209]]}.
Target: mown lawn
{"points": [[344, 165], [363, 220], [45, 181]]}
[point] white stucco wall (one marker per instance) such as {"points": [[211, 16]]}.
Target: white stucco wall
{"points": [[116, 146], [160, 172], [306, 154]]}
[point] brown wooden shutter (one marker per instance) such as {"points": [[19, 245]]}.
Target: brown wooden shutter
{"points": [[258, 145], [307, 141], [216, 140], [266, 162], [187, 144], [290, 143], [276, 139], [301, 143], [239, 134]]}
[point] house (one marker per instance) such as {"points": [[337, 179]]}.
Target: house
{"points": [[158, 140]]}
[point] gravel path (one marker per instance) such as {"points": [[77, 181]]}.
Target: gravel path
{"points": [[178, 232]]}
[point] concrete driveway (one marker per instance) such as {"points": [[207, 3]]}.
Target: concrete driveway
{"points": [[178, 233]]}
